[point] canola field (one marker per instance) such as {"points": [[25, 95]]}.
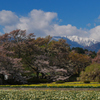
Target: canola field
{"points": [[33, 94], [60, 85]]}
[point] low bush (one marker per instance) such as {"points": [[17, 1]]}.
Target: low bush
{"points": [[87, 81], [60, 81], [43, 80], [99, 81], [92, 73], [35, 80]]}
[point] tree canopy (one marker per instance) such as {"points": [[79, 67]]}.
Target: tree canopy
{"points": [[52, 59]]}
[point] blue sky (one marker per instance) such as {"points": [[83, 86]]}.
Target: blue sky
{"points": [[51, 17]]}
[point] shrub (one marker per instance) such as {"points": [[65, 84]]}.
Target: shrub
{"points": [[86, 81], [74, 77], [35, 80], [92, 73], [60, 81], [43, 80], [99, 81]]}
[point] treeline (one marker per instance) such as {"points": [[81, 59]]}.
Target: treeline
{"points": [[79, 50], [26, 60]]}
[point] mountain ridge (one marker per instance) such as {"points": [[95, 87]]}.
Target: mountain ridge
{"points": [[71, 43], [94, 47], [82, 41], [75, 41]]}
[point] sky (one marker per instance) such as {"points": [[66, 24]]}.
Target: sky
{"points": [[51, 17]]}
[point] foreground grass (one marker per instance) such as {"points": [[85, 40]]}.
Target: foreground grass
{"points": [[48, 95]]}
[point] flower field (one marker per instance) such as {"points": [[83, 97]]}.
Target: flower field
{"points": [[50, 92], [33, 94], [55, 85]]}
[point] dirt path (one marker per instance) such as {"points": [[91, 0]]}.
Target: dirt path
{"points": [[73, 89]]}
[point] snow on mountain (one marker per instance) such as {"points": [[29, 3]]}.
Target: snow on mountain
{"points": [[82, 41], [75, 41], [71, 43]]}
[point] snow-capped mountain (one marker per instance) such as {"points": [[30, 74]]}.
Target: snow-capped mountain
{"points": [[75, 41], [82, 41], [71, 43], [94, 47]]}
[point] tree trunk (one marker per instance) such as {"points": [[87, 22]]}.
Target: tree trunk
{"points": [[42, 75], [37, 75]]}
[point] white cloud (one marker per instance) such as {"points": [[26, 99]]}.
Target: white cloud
{"points": [[94, 24], [99, 17], [42, 24], [66, 30], [1, 33], [37, 21], [88, 25], [95, 33], [60, 20], [8, 18]]}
